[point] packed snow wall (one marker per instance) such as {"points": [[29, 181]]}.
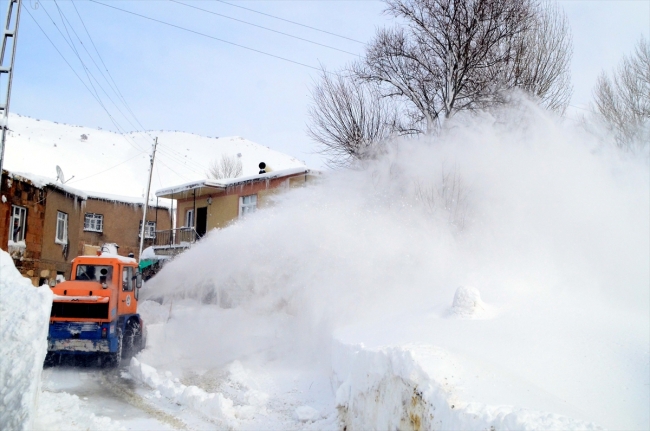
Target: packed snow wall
{"points": [[546, 221], [24, 321]]}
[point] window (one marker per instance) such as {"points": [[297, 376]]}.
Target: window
{"points": [[247, 204], [19, 223], [93, 222], [149, 229], [61, 228], [93, 273], [189, 218], [127, 279]]}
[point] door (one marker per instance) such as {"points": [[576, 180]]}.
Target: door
{"points": [[127, 302], [201, 221]]}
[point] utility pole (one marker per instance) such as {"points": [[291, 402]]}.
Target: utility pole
{"points": [[9, 38], [146, 199]]}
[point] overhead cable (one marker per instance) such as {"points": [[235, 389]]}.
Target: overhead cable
{"points": [[206, 35], [262, 27], [89, 75], [292, 22], [70, 66]]}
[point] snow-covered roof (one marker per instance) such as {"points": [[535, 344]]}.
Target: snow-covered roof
{"points": [[231, 182], [126, 199], [41, 182]]}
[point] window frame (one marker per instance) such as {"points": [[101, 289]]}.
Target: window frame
{"points": [[148, 232], [189, 216], [94, 217], [61, 216], [22, 222], [128, 271], [247, 207]]}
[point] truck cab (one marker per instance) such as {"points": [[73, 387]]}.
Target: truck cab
{"points": [[96, 311]]}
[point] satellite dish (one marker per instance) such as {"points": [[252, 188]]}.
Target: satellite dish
{"points": [[59, 174]]}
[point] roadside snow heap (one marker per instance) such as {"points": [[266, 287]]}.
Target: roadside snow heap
{"points": [[24, 318]]}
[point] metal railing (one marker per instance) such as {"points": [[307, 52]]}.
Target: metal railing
{"points": [[179, 237]]}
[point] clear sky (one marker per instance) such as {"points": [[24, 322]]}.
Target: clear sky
{"points": [[174, 79]]}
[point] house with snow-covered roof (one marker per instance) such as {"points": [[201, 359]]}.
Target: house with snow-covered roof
{"points": [[209, 204], [45, 224]]}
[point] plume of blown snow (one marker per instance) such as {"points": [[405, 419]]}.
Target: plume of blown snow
{"points": [[519, 203]]}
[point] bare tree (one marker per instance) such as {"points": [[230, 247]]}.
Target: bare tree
{"points": [[226, 167], [448, 197], [348, 119], [623, 101], [542, 58], [448, 55], [443, 57]]}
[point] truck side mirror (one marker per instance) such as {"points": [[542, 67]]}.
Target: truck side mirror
{"points": [[138, 280]]}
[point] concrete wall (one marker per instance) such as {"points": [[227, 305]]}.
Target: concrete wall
{"points": [[54, 257], [121, 225], [225, 207]]}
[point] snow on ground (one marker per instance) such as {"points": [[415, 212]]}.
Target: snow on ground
{"points": [[114, 164], [24, 313], [342, 302]]}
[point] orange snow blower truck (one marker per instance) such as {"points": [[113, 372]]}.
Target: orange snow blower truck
{"points": [[95, 313]]}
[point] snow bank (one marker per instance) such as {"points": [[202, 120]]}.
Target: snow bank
{"points": [[534, 213], [24, 322], [219, 408], [389, 388]]}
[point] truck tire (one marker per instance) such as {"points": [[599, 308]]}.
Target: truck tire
{"points": [[132, 338], [113, 359], [51, 359]]}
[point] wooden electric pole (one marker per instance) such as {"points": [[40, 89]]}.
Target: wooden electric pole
{"points": [[146, 199]]}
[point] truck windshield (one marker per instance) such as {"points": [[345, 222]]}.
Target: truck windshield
{"points": [[94, 273]]}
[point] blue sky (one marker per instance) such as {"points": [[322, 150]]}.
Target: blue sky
{"points": [[177, 80]]}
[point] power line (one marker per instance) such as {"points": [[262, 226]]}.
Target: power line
{"points": [[89, 75], [105, 170], [265, 28], [292, 22], [64, 19], [177, 159], [207, 35], [116, 89]]}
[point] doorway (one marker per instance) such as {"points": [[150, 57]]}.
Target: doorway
{"points": [[201, 221]]}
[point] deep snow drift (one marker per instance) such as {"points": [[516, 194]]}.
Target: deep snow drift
{"points": [[544, 228], [24, 320]]}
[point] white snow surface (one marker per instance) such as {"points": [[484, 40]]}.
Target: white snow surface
{"points": [[341, 296], [24, 322], [111, 163]]}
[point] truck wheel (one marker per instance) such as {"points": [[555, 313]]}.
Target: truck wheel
{"points": [[51, 359], [132, 338], [113, 359]]}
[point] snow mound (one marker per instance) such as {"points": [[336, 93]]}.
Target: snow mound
{"points": [[24, 323], [61, 411], [307, 414], [468, 304], [390, 388], [216, 406]]}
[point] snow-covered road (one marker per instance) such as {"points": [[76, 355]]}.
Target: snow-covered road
{"points": [[284, 399], [108, 393]]}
